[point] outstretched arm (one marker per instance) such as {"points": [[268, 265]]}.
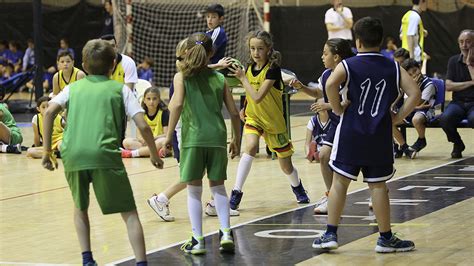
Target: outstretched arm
{"points": [[234, 148]]}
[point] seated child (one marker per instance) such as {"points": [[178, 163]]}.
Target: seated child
{"points": [[316, 130], [157, 116], [10, 134], [144, 70], [423, 112], [36, 152]]}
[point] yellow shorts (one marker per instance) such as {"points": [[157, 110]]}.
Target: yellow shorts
{"points": [[277, 143]]}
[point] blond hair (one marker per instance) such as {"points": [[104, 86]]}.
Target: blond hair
{"points": [[98, 57], [180, 53], [275, 57], [198, 50]]}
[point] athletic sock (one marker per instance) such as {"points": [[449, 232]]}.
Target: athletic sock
{"points": [[195, 209], [87, 257], [243, 171], [331, 229], [294, 179], [162, 198], [222, 205], [386, 235], [135, 153], [142, 263]]}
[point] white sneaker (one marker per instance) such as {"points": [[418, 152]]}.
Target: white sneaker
{"points": [[321, 206], [161, 208], [211, 211]]}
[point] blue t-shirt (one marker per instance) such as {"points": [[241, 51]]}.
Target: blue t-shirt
{"points": [[219, 40], [146, 74], [387, 53]]}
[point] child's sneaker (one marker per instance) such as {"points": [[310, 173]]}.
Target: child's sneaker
{"points": [[235, 198], [194, 246], [226, 240], [419, 144], [211, 210], [394, 244], [397, 152], [326, 241], [300, 193], [410, 153], [321, 206], [16, 149], [161, 208], [126, 153]]}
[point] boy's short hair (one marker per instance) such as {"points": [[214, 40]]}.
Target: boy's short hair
{"points": [[369, 31], [41, 100], [401, 52], [409, 64], [65, 53], [149, 61], [98, 57], [215, 8]]}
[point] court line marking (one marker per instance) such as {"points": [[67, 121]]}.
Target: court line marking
{"points": [[454, 177], [352, 225], [30, 263], [276, 214]]}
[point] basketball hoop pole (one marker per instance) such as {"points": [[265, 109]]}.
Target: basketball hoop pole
{"points": [[129, 28], [266, 15]]}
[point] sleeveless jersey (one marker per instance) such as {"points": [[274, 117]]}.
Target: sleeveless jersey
{"points": [[364, 134], [319, 130], [57, 134], [155, 123], [62, 80], [268, 114], [404, 29], [322, 80], [202, 121]]}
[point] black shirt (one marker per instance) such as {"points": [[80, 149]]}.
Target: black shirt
{"points": [[273, 73], [459, 72]]}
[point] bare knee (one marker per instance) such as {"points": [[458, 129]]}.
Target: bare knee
{"points": [[419, 120], [325, 155]]}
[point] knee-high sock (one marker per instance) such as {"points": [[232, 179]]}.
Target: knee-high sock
{"points": [[294, 179], [195, 209], [222, 205], [243, 171]]}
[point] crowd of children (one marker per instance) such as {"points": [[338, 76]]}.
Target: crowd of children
{"points": [[192, 128]]}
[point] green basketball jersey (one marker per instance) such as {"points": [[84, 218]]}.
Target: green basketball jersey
{"points": [[202, 121], [95, 122]]}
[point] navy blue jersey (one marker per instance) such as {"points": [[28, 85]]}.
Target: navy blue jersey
{"points": [[364, 134], [322, 81], [319, 130], [219, 41]]}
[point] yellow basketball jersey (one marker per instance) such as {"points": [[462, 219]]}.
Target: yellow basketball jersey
{"points": [[118, 74], [155, 123], [421, 32], [57, 130], [268, 114], [62, 81]]}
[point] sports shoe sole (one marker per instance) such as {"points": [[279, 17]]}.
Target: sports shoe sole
{"points": [[227, 246], [196, 251], [164, 218], [380, 249], [328, 245]]}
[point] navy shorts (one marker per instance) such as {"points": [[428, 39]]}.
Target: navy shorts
{"points": [[329, 138], [371, 173]]}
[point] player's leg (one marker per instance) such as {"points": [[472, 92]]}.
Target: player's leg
{"points": [[287, 167], [35, 152], [419, 122], [5, 134], [321, 206], [132, 148], [135, 234]]}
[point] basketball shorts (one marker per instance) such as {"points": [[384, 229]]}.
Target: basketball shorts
{"points": [[329, 138], [428, 114], [196, 161], [15, 136], [371, 173], [111, 187], [277, 143]]}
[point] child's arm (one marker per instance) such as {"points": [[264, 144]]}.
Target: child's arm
{"points": [[56, 84], [234, 148], [309, 136], [257, 96], [314, 92], [36, 137], [80, 75], [49, 162], [412, 91], [332, 89], [175, 106], [147, 135], [223, 63]]}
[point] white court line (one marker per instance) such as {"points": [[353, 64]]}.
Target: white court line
{"points": [[271, 215], [454, 177], [30, 263]]}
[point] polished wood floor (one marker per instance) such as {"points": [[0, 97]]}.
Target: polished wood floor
{"points": [[36, 209]]}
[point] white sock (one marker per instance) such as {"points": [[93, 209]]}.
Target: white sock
{"points": [[4, 148], [294, 179], [243, 171], [222, 205], [135, 153], [195, 209], [162, 198], [212, 202]]}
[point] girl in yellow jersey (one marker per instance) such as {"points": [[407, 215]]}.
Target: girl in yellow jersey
{"points": [[36, 152], [157, 116], [264, 114], [67, 73]]}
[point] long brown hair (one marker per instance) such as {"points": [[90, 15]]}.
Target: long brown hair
{"points": [[275, 57], [161, 106], [198, 49]]}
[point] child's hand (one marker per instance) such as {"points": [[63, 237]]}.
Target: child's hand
{"points": [[224, 63], [49, 161], [296, 84], [237, 72], [242, 115], [156, 161], [318, 107], [234, 149]]}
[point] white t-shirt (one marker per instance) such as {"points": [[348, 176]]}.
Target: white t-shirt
{"points": [[129, 69], [333, 17], [413, 30], [132, 107]]}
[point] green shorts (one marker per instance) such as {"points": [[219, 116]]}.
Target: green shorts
{"points": [[15, 136], [111, 187], [195, 161]]}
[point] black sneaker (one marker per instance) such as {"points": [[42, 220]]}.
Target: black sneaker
{"points": [[397, 153], [458, 148], [393, 244], [16, 149], [410, 153], [419, 144], [235, 198], [300, 193]]}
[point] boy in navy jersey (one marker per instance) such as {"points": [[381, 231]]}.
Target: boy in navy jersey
{"points": [[363, 140]]}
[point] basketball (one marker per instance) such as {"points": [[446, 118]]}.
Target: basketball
{"points": [[231, 80]]}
